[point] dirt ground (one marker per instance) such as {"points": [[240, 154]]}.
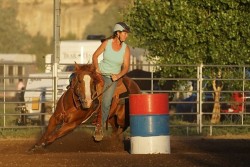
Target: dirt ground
{"points": [[79, 149]]}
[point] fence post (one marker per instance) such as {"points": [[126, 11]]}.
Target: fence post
{"points": [[200, 91]]}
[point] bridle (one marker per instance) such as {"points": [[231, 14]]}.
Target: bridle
{"points": [[76, 90], [95, 94]]}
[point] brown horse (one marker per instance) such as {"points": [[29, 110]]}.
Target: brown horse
{"points": [[81, 101]]}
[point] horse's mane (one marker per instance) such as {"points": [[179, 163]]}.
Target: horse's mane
{"points": [[89, 68], [86, 67]]}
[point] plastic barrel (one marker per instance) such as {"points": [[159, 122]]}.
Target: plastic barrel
{"points": [[149, 124]]}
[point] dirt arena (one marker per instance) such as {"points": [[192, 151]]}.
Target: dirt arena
{"points": [[78, 149]]}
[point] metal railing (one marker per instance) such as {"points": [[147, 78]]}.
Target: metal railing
{"points": [[190, 112]]}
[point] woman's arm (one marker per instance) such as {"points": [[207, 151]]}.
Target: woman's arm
{"points": [[97, 53]]}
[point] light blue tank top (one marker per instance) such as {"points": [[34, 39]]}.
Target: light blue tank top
{"points": [[112, 60]]}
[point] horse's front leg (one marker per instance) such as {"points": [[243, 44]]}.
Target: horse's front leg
{"points": [[65, 129], [53, 123], [49, 130]]}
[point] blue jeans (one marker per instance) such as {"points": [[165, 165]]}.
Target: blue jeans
{"points": [[107, 97]]}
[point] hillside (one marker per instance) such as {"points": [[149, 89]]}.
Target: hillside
{"points": [[78, 17]]}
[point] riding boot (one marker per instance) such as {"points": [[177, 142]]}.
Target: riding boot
{"points": [[98, 133]]}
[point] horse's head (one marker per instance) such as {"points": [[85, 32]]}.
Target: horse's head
{"points": [[84, 84]]}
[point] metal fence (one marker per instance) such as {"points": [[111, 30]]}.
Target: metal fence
{"points": [[191, 99]]}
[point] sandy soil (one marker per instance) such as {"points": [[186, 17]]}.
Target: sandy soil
{"points": [[79, 149]]}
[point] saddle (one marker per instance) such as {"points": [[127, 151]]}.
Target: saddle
{"points": [[120, 87], [119, 91]]}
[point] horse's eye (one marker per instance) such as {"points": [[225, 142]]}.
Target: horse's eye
{"points": [[79, 79]]}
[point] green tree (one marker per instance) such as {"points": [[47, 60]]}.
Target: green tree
{"points": [[193, 31], [13, 37], [103, 23], [40, 48]]}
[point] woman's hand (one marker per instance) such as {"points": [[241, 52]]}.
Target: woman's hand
{"points": [[115, 77]]}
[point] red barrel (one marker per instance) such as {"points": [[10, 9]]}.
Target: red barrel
{"points": [[141, 104], [149, 123]]}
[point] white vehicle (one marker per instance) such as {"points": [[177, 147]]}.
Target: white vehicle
{"points": [[38, 94], [74, 51]]}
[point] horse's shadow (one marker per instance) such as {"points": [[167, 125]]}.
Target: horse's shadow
{"points": [[81, 140]]}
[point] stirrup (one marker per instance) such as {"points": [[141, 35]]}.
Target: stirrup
{"points": [[98, 133]]}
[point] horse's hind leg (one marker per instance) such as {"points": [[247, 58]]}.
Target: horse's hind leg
{"points": [[117, 130], [119, 120], [112, 122]]}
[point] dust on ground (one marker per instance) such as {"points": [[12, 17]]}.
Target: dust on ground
{"points": [[79, 149]]}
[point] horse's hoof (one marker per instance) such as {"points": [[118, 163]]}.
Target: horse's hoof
{"points": [[36, 148], [31, 150]]}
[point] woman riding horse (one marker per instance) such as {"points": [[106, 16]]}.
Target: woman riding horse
{"points": [[80, 102], [115, 64]]}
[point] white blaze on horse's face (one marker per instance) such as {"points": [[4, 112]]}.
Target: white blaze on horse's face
{"points": [[88, 99]]}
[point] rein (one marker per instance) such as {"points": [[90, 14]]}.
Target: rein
{"points": [[77, 94], [95, 97], [71, 87]]}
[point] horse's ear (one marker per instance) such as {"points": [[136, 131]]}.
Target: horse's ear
{"points": [[77, 67]]}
